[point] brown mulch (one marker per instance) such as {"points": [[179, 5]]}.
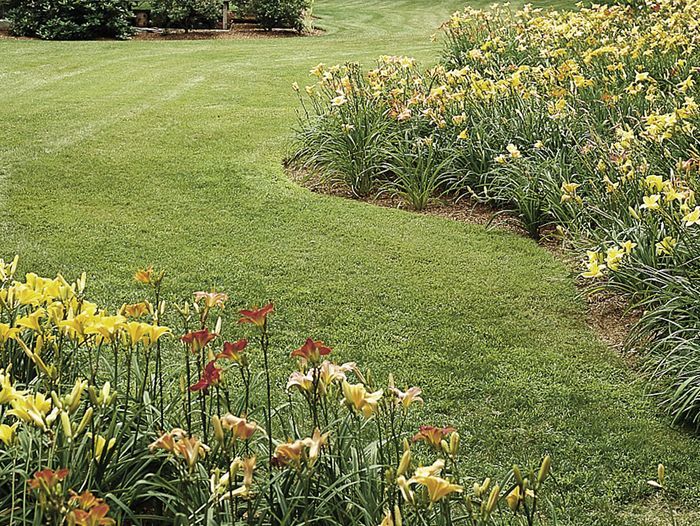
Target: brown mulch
{"points": [[607, 314], [238, 32]]}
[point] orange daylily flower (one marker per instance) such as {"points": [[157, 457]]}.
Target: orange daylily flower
{"points": [[167, 441], [135, 310], [289, 453], [240, 427], [311, 351], [191, 449], [197, 340], [85, 500], [256, 316], [47, 479], [432, 435], [97, 516], [149, 276]]}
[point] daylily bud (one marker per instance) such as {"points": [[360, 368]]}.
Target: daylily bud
{"points": [[518, 475], [217, 327], [483, 488], [39, 345], [406, 444], [493, 499], [84, 421], [26, 350], [73, 399], [444, 446], [52, 416], [405, 463], [56, 400], [390, 476], [65, 423], [661, 474], [454, 444], [218, 430], [544, 469], [398, 520], [80, 283]]}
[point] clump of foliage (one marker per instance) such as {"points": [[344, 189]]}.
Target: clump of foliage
{"points": [[70, 19], [98, 428], [273, 14], [186, 14], [582, 124]]}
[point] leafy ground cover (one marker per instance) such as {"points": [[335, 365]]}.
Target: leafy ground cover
{"points": [[117, 155]]}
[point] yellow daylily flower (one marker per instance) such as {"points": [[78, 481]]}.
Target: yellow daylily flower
{"points": [[613, 257], [7, 392], [153, 333], [666, 246], [654, 182], [513, 151], [32, 409], [438, 488], [107, 327], [692, 218], [651, 202], [135, 331], [594, 270], [357, 398], [32, 321], [513, 499], [628, 246], [8, 333], [7, 433]]}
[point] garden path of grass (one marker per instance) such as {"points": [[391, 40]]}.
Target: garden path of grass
{"points": [[115, 155]]}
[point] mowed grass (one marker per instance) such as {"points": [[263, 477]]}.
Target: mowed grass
{"points": [[115, 155]]}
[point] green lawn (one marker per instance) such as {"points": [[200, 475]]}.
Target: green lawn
{"points": [[115, 155]]}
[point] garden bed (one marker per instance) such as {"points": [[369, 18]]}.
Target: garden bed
{"points": [[237, 32]]}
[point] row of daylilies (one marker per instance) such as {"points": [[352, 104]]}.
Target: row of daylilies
{"points": [[85, 397]]}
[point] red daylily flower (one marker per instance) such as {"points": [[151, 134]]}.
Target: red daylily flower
{"points": [[256, 316], [210, 376], [197, 340], [233, 350], [48, 478], [432, 435], [312, 351]]}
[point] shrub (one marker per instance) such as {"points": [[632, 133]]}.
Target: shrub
{"points": [[280, 13], [186, 14], [70, 19]]}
